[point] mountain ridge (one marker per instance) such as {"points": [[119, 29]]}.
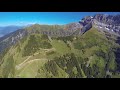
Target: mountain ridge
{"points": [[69, 29]]}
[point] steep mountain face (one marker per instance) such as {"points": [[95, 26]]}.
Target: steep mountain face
{"points": [[85, 49], [11, 39], [108, 22], [9, 36], [108, 19]]}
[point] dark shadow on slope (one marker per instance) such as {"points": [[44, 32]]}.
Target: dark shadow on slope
{"points": [[117, 55]]}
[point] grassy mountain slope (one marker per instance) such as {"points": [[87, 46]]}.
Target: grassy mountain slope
{"points": [[40, 56]]}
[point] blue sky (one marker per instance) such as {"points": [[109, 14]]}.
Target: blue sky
{"points": [[24, 18]]}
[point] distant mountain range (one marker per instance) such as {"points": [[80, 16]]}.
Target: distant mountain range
{"points": [[89, 48], [8, 29], [4, 30]]}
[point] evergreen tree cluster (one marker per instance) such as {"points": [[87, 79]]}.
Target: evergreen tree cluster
{"points": [[35, 43]]}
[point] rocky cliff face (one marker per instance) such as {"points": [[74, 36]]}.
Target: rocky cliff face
{"points": [[109, 23], [108, 19]]}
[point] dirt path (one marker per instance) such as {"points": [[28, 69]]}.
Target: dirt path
{"points": [[24, 61], [50, 38], [36, 54], [28, 62]]}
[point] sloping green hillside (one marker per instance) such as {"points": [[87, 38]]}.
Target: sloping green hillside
{"points": [[90, 55]]}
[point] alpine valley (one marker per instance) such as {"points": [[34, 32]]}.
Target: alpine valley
{"points": [[89, 48]]}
